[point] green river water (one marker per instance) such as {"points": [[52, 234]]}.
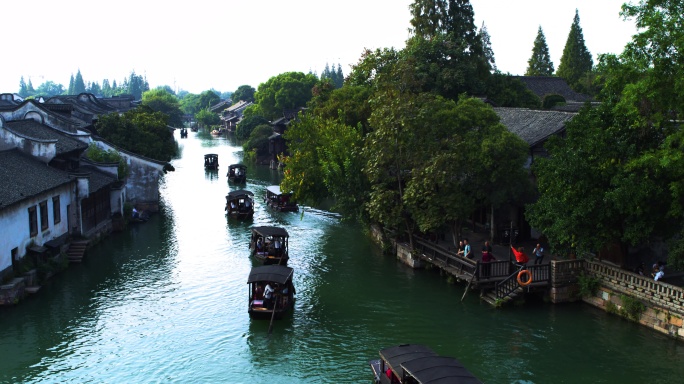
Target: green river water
{"points": [[166, 302]]}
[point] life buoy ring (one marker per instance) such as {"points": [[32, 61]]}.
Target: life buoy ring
{"points": [[529, 278]]}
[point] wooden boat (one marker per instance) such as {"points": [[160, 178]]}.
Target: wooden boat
{"points": [[211, 161], [270, 245], [279, 278], [240, 204], [184, 132], [415, 363], [237, 173], [280, 201]]}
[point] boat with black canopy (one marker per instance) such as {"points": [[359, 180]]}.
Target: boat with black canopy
{"points": [[271, 291], [211, 161], [418, 364], [237, 173], [270, 244], [279, 200], [240, 204]]}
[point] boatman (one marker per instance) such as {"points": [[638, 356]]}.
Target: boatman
{"points": [[268, 295]]}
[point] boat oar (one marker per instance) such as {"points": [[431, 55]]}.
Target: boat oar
{"points": [[275, 304]]}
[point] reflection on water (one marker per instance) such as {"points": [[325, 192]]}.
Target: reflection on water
{"points": [[166, 301]]}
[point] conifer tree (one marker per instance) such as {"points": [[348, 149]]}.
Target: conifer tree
{"points": [[79, 84], [487, 47], [339, 76], [29, 88], [70, 91], [23, 91], [540, 63], [576, 61]]}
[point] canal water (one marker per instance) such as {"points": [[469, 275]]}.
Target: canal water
{"points": [[166, 302]]}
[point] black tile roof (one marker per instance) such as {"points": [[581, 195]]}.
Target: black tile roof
{"points": [[549, 85], [96, 178], [35, 130], [533, 126], [24, 177]]}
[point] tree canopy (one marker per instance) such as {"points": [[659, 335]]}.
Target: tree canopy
{"points": [[244, 93], [160, 100], [287, 91]]}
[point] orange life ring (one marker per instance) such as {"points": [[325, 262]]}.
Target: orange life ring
{"points": [[529, 278]]}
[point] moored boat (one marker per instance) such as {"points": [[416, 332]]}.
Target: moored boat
{"points": [[271, 291], [183, 132], [240, 204], [415, 363], [270, 244], [237, 173], [211, 161], [279, 200]]}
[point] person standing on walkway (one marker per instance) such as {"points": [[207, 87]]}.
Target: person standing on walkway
{"points": [[461, 249], [466, 249], [538, 253], [487, 257]]}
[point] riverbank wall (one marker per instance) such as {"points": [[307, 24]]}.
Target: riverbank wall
{"points": [[653, 304]]}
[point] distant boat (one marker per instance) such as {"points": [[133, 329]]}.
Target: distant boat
{"points": [[211, 161], [280, 201], [240, 204], [183, 132], [237, 173]]}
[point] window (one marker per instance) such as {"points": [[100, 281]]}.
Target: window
{"points": [[43, 215], [56, 210], [33, 221]]}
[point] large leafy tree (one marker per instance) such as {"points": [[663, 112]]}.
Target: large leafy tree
{"points": [[287, 91], [576, 61], [244, 93], [160, 100], [247, 124], [137, 85], [208, 98], [49, 89], [540, 63], [207, 118], [140, 131]]}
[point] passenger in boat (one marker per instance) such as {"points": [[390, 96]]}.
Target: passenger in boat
{"points": [[247, 203], [268, 296], [232, 205], [259, 245], [276, 247], [259, 292], [135, 213]]}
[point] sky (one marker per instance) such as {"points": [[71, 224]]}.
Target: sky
{"points": [[207, 44]]}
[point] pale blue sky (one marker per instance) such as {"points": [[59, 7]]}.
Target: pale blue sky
{"points": [[202, 44]]}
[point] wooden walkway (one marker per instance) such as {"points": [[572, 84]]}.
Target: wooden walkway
{"points": [[497, 279]]}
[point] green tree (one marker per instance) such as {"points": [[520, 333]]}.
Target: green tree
{"points": [[258, 140], [207, 99], [140, 131], [248, 124], [207, 118], [190, 103], [576, 61], [244, 93], [79, 84], [136, 85], [23, 89], [486, 42], [96, 154], [540, 63], [94, 88], [160, 100], [287, 91], [50, 89], [70, 90]]}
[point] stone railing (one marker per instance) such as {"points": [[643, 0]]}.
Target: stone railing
{"points": [[659, 294]]}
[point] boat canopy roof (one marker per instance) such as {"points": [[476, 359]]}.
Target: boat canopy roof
{"points": [[438, 370], [208, 155], [242, 166], [275, 189], [270, 231], [396, 356], [276, 273], [239, 193]]}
